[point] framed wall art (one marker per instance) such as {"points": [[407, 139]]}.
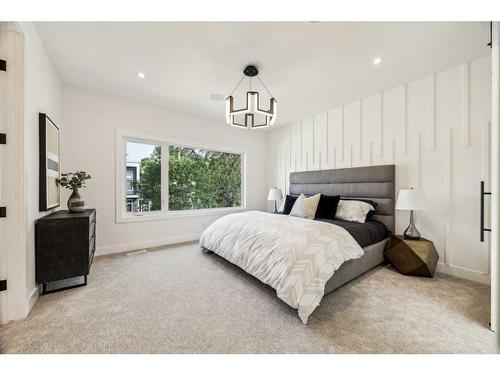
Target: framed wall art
{"points": [[49, 140]]}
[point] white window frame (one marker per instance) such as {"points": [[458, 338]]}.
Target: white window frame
{"points": [[122, 216]]}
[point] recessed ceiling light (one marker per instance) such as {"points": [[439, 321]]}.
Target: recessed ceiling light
{"points": [[216, 97], [141, 75], [377, 60]]}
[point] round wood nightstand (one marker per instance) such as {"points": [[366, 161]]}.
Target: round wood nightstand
{"points": [[412, 257]]}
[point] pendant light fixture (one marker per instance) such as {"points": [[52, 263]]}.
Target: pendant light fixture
{"points": [[252, 107]]}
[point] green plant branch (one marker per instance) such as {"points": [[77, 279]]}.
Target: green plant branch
{"points": [[73, 180]]}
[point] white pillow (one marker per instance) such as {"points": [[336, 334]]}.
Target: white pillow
{"points": [[305, 207], [353, 210]]}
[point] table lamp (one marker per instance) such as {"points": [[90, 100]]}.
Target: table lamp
{"points": [[411, 199], [274, 195]]}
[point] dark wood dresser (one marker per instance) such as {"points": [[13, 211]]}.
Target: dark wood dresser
{"points": [[64, 247]]}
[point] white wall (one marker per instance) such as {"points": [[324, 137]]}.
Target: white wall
{"points": [[42, 93], [88, 143], [436, 130]]}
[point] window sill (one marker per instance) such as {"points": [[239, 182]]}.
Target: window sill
{"points": [[178, 214]]}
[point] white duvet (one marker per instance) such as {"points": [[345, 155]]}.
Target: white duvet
{"points": [[293, 255]]}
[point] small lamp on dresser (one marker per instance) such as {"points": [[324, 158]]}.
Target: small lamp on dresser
{"points": [[274, 195], [411, 199]]}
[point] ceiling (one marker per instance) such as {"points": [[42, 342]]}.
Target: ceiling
{"points": [[308, 66]]}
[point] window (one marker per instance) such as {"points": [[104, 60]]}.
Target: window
{"points": [[143, 177], [200, 178], [162, 178]]}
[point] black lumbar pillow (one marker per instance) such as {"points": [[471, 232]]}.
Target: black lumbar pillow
{"points": [[327, 206], [289, 202]]}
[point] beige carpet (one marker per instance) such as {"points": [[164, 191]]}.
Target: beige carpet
{"points": [[179, 300]]}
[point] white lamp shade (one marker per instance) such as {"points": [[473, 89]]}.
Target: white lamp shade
{"points": [[274, 194], [411, 199]]}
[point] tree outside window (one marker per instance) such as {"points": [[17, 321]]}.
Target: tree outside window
{"points": [[197, 178]]}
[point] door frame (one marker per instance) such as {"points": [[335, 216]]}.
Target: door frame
{"points": [[3, 166], [495, 179], [14, 301]]}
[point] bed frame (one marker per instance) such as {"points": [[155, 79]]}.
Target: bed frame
{"points": [[376, 183]]}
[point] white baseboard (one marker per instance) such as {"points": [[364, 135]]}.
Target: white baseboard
{"points": [[35, 293], [131, 246], [464, 273]]}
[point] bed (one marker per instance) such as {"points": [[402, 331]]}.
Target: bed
{"points": [[307, 259], [376, 183]]}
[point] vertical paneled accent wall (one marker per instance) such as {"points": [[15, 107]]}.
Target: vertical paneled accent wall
{"points": [[437, 132]]}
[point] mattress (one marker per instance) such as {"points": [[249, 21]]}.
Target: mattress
{"points": [[364, 234]]}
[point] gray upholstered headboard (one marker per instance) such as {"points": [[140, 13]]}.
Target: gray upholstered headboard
{"points": [[376, 183]]}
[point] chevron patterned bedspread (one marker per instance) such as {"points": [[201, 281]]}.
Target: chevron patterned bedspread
{"points": [[293, 255]]}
